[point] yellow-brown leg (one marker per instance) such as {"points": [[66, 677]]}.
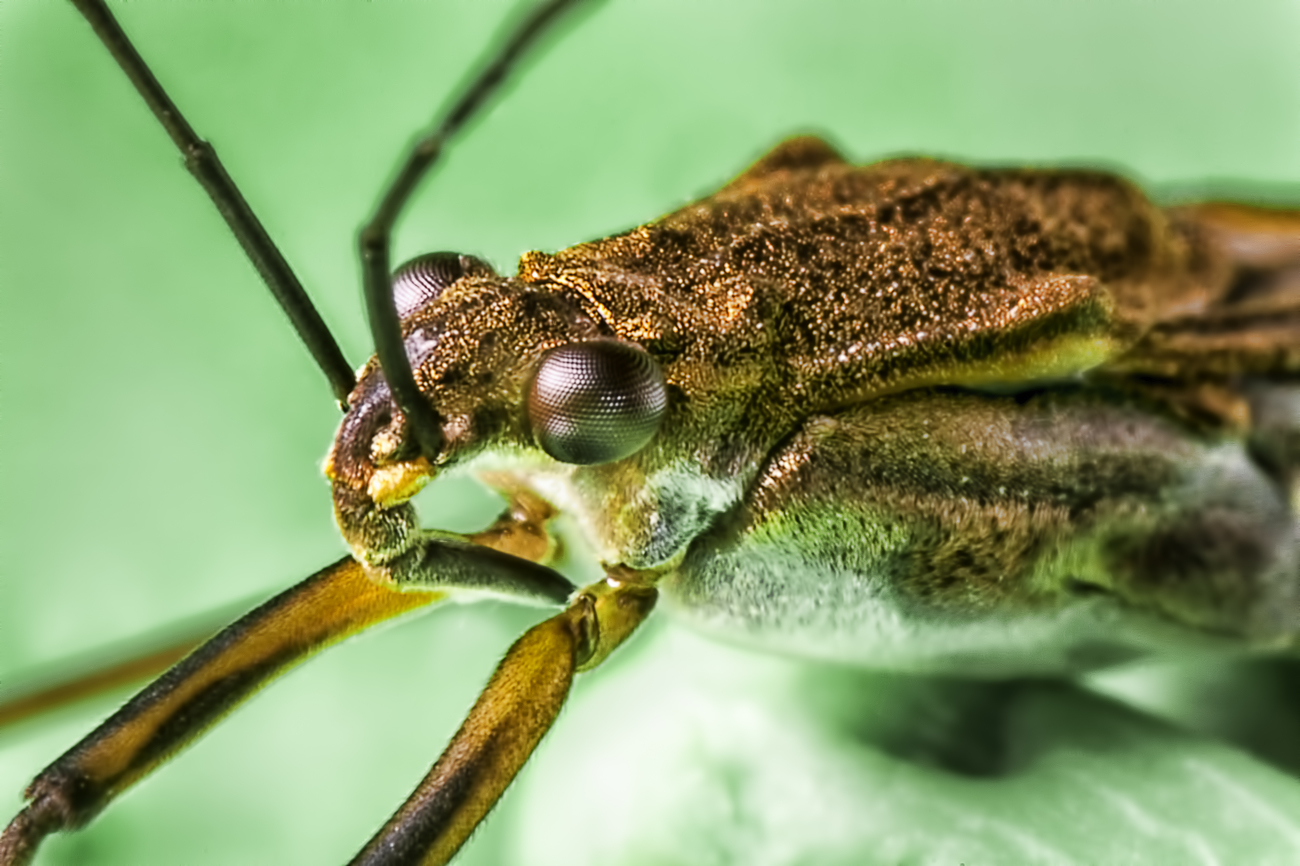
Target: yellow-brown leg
{"points": [[195, 694], [183, 703], [507, 722], [521, 529]]}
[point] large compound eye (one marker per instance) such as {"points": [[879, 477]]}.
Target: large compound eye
{"points": [[425, 277], [596, 402]]}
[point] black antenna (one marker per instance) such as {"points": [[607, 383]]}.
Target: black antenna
{"points": [[375, 238], [202, 161]]}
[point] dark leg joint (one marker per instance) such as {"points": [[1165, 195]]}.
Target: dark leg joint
{"points": [[50, 811]]}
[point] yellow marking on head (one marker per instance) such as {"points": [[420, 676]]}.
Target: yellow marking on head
{"points": [[398, 482]]}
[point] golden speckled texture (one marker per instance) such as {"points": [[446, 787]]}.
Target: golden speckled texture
{"points": [[808, 284], [832, 282]]}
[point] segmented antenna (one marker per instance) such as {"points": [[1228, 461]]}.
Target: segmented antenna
{"points": [[202, 161], [375, 239]]}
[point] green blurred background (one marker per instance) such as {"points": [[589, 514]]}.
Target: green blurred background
{"points": [[162, 430]]}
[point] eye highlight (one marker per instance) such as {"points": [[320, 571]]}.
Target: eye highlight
{"points": [[596, 402]]}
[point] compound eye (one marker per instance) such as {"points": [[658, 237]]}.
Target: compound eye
{"points": [[425, 277], [596, 402]]}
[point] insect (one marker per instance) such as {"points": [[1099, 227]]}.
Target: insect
{"points": [[184, 464]]}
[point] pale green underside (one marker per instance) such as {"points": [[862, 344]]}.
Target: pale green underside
{"points": [[693, 753]]}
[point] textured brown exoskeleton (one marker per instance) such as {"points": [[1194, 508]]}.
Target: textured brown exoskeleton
{"points": [[990, 398], [910, 414]]}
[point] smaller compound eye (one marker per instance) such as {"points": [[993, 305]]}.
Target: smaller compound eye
{"points": [[596, 402], [425, 277]]}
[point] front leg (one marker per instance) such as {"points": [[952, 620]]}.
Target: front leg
{"points": [[341, 600], [523, 528], [182, 704], [374, 476]]}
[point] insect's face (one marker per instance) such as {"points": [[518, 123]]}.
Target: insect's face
{"points": [[163, 430], [478, 350]]}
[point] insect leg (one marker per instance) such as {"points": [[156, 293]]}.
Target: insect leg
{"points": [[195, 694], [109, 667], [177, 708], [521, 529], [511, 716]]}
